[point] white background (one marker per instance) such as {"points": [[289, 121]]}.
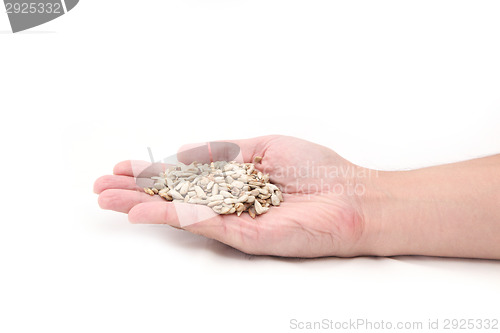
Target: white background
{"points": [[387, 84]]}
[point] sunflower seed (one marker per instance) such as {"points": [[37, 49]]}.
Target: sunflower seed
{"points": [[275, 200], [165, 196], [214, 203], [226, 187], [216, 197], [170, 183], [243, 198], [199, 191], [255, 192], [250, 170], [258, 208], [184, 188], [224, 210], [264, 191], [226, 194], [230, 200], [272, 187], [238, 184], [215, 189], [239, 207], [176, 195]]}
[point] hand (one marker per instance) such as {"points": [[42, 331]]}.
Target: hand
{"points": [[321, 214]]}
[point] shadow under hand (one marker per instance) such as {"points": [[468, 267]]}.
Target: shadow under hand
{"points": [[487, 266], [184, 239]]}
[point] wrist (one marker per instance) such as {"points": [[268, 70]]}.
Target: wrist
{"points": [[448, 210], [390, 209]]}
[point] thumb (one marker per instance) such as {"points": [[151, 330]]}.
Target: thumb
{"points": [[242, 151]]}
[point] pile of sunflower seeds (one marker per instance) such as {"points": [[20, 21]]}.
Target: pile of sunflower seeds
{"points": [[226, 187]]}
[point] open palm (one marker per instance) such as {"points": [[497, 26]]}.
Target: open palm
{"points": [[321, 214]]}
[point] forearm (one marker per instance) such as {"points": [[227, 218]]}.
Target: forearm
{"points": [[450, 210]]}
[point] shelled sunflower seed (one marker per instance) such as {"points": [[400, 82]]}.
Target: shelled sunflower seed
{"points": [[226, 187]]}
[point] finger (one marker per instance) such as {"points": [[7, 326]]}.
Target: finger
{"points": [[115, 182], [225, 150], [123, 200], [154, 213], [239, 232], [138, 169], [194, 152]]}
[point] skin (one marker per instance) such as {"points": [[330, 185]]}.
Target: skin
{"points": [[335, 208]]}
